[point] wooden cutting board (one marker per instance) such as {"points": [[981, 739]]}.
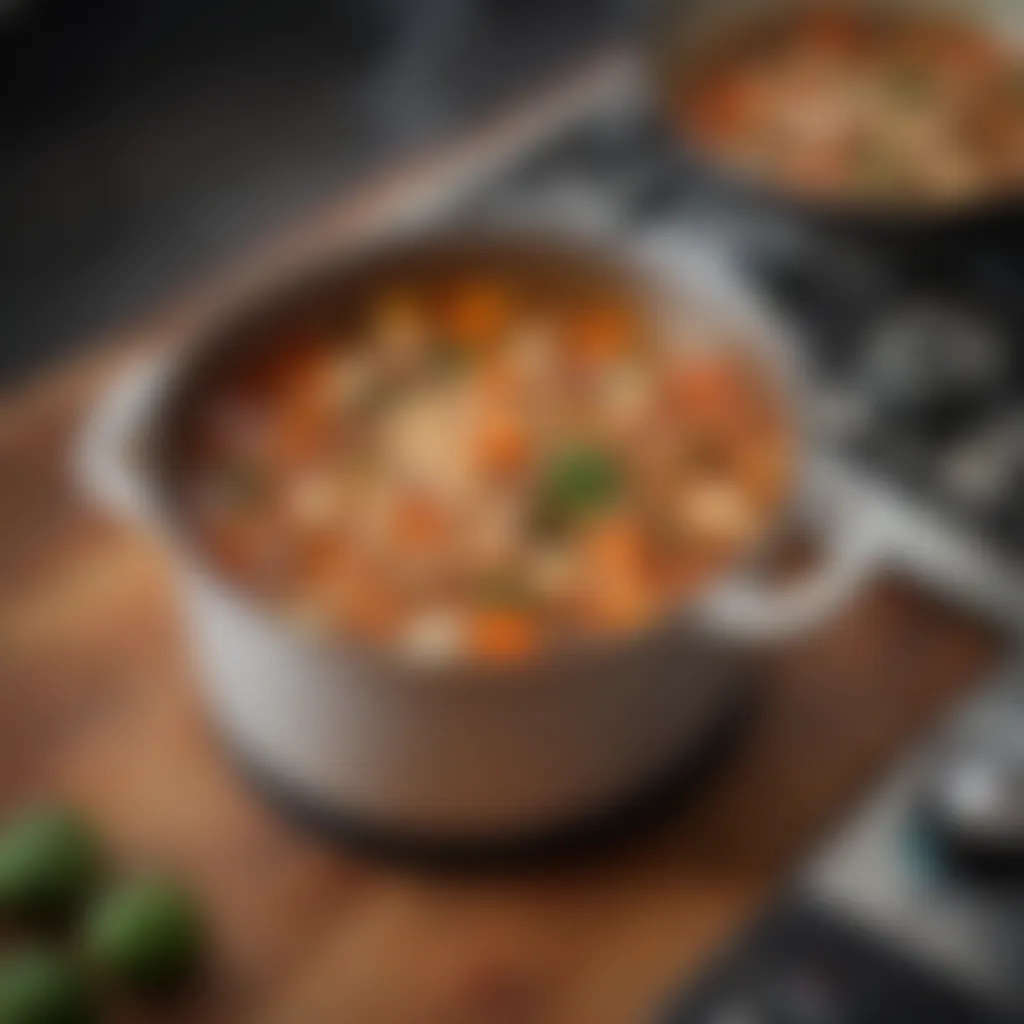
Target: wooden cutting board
{"points": [[98, 706]]}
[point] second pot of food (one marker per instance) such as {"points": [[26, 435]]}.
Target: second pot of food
{"points": [[465, 526], [897, 115]]}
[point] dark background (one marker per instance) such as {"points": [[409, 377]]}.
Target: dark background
{"points": [[142, 142]]}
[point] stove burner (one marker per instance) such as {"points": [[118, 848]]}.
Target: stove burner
{"points": [[974, 805], [983, 472], [803, 965], [928, 360]]}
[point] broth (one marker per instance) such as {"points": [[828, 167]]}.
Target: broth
{"points": [[476, 464]]}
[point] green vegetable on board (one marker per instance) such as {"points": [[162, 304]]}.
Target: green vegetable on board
{"points": [[145, 933], [50, 862], [39, 987]]}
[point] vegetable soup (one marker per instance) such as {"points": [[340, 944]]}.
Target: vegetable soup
{"points": [[866, 106], [481, 462]]}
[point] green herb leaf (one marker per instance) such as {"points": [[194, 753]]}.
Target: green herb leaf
{"points": [[447, 359], [505, 590], [240, 484], [1015, 86], [38, 987], [146, 933], [577, 483], [49, 862], [910, 83]]}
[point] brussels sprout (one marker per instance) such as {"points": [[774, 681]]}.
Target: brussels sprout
{"points": [[37, 987], [145, 933], [49, 863]]}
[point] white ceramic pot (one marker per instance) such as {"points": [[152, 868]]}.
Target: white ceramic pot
{"points": [[471, 753]]}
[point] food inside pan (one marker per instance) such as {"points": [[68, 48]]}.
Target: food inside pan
{"points": [[482, 462]]}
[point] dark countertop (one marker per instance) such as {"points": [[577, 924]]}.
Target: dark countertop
{"points": [[142, 145]]}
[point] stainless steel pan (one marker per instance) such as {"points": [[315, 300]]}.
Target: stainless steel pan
{"points": [[460, 755]]}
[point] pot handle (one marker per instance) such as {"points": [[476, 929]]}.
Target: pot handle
{"points": [[744, 607], [106, 454]]}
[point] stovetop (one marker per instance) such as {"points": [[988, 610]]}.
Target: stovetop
{"points": [[802, 965], [917, 357], [922, 358], [916, 352]]}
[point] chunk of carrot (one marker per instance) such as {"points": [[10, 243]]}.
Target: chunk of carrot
{"points": [[372, 612], [622, 591], [501, 443], [476, 312], [502, 634], [831, 32], [601, 331], [704, 387], [418, 522], [616, 544], [722, 106]]}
